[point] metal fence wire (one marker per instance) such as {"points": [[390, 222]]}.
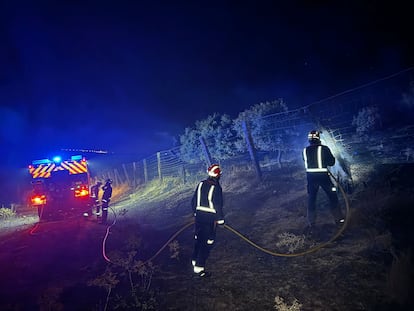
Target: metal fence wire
{"points": [[372, 121]]}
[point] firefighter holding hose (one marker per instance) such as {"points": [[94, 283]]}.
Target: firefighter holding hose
{"points": [[207, 205], [317, 158]]}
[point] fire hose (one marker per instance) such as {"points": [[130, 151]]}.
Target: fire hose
{"points": [[244, 238]]}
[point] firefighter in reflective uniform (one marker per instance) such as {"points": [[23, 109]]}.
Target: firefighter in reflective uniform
{"points": [[95, 196], [207, 205], [317, 158], [106, 198]]}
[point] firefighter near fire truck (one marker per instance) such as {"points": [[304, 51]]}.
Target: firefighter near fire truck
{"points": [[60, 188], [106, 198], [95, 189]]}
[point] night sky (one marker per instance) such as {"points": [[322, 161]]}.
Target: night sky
{"points": [[129, 76]]}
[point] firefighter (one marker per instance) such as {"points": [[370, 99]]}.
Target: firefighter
{"points": [[207, 205], [95, 196], [106, 198], [317, 158]]}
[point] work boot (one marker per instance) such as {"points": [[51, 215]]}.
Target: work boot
{"points": [[340, 222], [204, 274]]}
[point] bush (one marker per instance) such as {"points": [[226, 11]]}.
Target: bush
{"points": [[280, 305], [6, 213], [260, 128], [291, 242], [216, 130]]}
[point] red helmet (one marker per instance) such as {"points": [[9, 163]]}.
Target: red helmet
{"points": [[214, 170]]}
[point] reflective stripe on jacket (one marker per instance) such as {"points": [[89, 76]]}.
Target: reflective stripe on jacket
{"points": [[210, 208], [208, 198], [317, 158]]}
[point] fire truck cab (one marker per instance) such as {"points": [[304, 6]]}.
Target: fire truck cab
{"points": [[60, 187]]}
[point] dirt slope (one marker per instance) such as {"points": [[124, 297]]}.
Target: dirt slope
{"points": [[53, 268]]}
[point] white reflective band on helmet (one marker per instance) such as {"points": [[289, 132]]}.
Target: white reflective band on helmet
{"points": [[211, 171], [314, 135], [210, 242]]}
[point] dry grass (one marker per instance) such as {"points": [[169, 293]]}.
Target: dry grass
{"points": [[354, 273]]}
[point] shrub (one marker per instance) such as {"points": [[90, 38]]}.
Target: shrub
{"points": [[291, 241], [260, 128], [6, 213], [280, 305], [216, 130]]}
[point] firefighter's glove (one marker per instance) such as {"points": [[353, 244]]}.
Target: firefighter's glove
{"points": [[220, 222]]}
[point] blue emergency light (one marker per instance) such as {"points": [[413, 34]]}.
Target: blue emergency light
{"points": [[57, 159], [76, 158], [42, 161]]}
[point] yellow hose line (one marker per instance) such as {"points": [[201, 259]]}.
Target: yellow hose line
{"points": [[308, 251], [169, 241], [158, 252]]}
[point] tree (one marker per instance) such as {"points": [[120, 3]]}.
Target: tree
{"points": [[216, 130], [259, 120]]}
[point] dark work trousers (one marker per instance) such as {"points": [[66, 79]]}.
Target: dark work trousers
{"points": [[105, 205], [97, 206], [94, 204], [204, 236], [316, 180]]}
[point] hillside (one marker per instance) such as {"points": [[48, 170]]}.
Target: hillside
{"points": [[62, 267]]}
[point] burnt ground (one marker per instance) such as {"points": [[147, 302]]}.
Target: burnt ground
{"points": [[60, 265]]}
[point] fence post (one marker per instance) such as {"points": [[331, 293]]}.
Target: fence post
{"points": [[183, 176], [145, 170], [159, 165], [126, 174], [117, 178], [207, 155], [250, 147], [134, 170]]}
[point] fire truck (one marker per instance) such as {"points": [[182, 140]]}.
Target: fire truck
{"points": [[60, 187]]}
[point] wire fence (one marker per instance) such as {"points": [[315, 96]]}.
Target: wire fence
{"points": [[388, 139]]}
